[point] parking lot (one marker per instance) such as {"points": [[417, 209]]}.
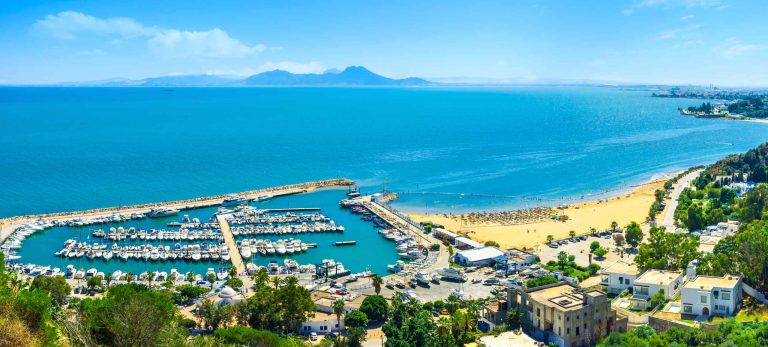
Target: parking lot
{"points": [[580, 249]]}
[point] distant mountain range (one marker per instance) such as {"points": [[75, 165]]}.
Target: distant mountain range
{"points": [[351, 76]]}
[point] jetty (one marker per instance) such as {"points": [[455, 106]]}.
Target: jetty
{"points": [[229, 241], [9, 225]]}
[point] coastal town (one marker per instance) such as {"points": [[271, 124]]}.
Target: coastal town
{"points": [[658, 269]]}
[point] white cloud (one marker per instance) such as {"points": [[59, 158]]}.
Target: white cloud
{"points": [[92, 52], [674, 3], [734, 48], [688, 17], [212, 43], [679, 32], [70, 25]]}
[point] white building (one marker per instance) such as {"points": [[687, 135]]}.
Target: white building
{"points": [[322, 323], [653, 281], [480, 256], [462, 242], [708, 295], [446, 235], [619, 276]]}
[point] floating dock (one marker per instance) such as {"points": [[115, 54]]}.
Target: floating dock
{"points": [[345, 243]]}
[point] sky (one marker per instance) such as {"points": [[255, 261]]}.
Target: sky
{"points": [[721, 42]]}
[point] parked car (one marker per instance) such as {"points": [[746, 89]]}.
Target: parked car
{"points": [[491, 281], [313, 336]]}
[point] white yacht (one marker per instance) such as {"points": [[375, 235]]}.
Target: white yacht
{"points": [[452, 273]]}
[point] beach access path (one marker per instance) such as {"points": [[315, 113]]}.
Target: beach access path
{"points": [[669, 214], [8, 225]]}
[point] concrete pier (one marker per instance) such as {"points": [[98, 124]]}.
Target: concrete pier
{"points": [[229, 240]]}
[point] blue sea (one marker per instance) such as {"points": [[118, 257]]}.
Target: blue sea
{"points": [[442, 148]]}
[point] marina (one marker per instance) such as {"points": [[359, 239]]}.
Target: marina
{"points": [[261, 234]]}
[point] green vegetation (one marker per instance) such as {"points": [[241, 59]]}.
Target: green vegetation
{"points": [[245, 336], [540, 281], [375, 308], [235, 283], [753, 107], [56, 287], [594, 246], [667, 251], [728, 333], [706, 108], [712, 202], [25, 313], [121, 317], [634, 234], [356, 323], [280, 305], [658, 299], [491, 243], [214, 316], [189, 292], [410, 324], [600, 252]]}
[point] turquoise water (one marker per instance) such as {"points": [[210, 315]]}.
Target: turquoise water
{"points": [[76, 148], [40, 247]]}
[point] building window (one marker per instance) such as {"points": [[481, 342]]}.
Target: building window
{"points": [[726, 296], [626, 281], [687, 308], [577, 331], [703, 299], [538, 312], [567, 331]]}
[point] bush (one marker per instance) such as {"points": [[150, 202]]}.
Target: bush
{"points": [[540, 281], [235, 283], [594, 246], [375, 308], [187, 323], [491, 243], [241, 335], [600, 252], [593, 268], [434, 247]]}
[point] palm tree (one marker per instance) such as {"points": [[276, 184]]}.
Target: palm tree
{"points": [[592, 231], [276, 282], [108, 278], [232, 271], [550, 238], [572, 233], [338, 309], [211, 277], [129, 277], [191, 277], [377, 281], [614, 225]]}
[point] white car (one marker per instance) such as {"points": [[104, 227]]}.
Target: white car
{"points": [[313, 336]]}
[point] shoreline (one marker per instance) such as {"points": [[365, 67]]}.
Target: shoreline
{"points": [[510, 229]]}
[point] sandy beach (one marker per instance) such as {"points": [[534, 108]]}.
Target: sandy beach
{"points": [[632, 206]]}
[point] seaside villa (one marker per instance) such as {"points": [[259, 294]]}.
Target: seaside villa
{"points": [[653, 281], [567, 315], [619, 277], [710, 296]]}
